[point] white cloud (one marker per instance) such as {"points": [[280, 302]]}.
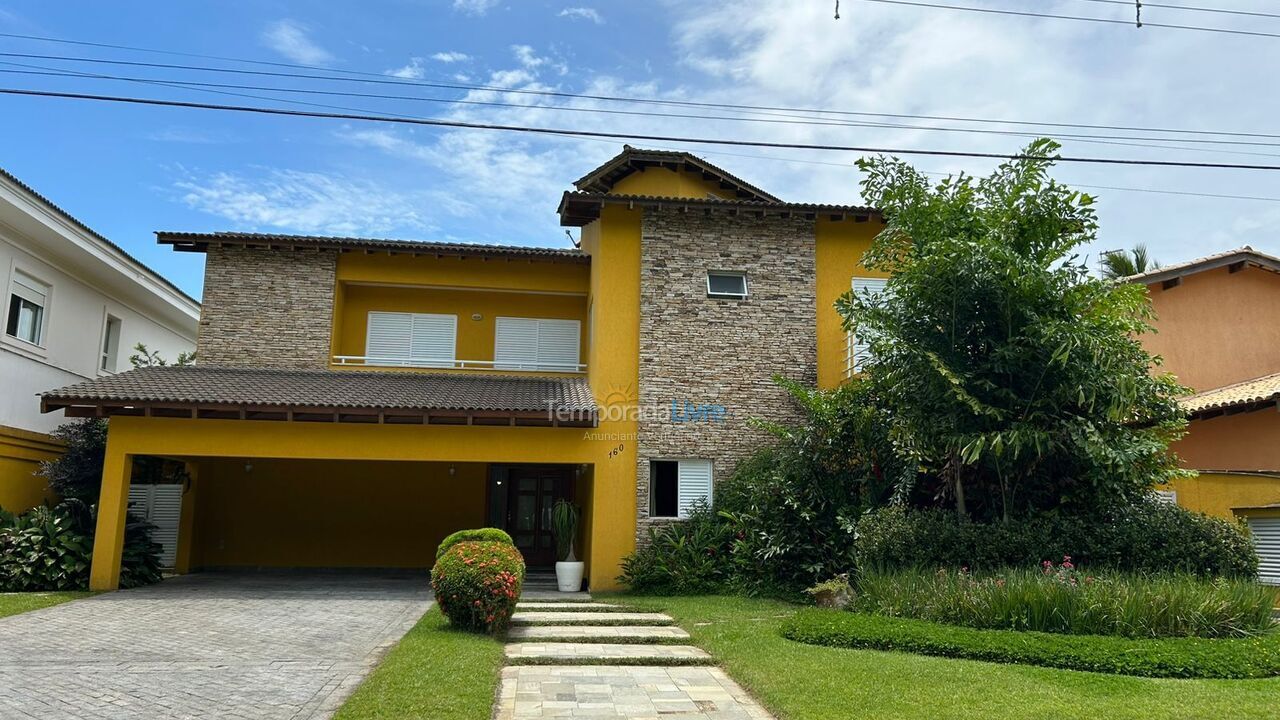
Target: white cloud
{"points": [[290, 39], [527, 57], [415, 70], [305, 202], [583, 13], [474, 7], [452, 56]]}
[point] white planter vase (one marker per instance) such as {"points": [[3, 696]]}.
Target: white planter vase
{"points": [[569, 576]]}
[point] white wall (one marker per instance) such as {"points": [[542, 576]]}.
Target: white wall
{"points": [[78, 304]]}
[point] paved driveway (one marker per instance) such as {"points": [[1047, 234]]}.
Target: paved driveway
{"points": [[209, 645]]}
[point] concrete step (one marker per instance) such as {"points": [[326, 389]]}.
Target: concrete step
{"points": [[553, 653], [570, 606], [553, 596], [540, 617], [599, 633]]}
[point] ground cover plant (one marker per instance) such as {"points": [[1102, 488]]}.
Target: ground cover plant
{"points": [[477, 584], [1058, 598], [1175, 657]]}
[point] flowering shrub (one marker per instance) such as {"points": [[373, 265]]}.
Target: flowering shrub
{"points": [[1061, 598], [476, 535], [477, 585]]}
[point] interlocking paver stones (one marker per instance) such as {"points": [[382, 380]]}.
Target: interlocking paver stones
{"points": [[208, 645]]}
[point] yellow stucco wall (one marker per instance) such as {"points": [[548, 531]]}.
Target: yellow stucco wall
{"points": [[308, 513], [840, 247], [475, 338], [1218, 493], [662, 182], [21, 452]]}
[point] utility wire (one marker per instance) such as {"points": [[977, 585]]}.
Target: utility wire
{"points": [[1080, 18], [1188, 8], [380, 79], [617, 135], [185, 84]]}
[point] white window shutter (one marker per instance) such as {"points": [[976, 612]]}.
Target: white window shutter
{"points": [[515, 344], [860, 349], [389, 337], [536, 344], [694, 479], [434, 340], [559, 342]]}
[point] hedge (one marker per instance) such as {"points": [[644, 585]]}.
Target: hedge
{"points": [[476, 535], [1235, 659], [1150, 537], [478, 583]]}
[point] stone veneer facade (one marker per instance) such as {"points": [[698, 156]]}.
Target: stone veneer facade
{"points": [[703, 350], [267, 308]]}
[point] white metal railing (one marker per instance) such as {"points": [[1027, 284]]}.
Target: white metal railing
{"points": [[454, 364]]}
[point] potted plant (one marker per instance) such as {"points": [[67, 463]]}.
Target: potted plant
{"points": [[564, 525]]}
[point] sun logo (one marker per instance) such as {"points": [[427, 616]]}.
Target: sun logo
{"points": [[618, 402]]}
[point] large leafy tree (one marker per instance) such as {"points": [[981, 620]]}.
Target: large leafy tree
{"points": [[1011, 377]]}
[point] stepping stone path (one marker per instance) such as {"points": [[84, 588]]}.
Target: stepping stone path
{"points": [[569, 657]]}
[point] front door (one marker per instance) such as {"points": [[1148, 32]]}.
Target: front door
{"points": [[532, 491]]}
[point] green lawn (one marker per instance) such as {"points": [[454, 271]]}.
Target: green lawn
{"points": [[14, 603], [804, 682], [434, 672]]}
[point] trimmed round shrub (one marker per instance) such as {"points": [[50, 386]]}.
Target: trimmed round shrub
{"points": [[477, 535], [477, 584], [1181, 657]]}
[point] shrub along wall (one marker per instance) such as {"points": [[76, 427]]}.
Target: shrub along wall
{"points": [[1149, 537], [1256, 657]]}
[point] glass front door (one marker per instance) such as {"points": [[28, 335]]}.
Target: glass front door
{"points": [[531, 493]]}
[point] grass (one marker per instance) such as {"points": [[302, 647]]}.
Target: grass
{"points": [[434, 672], [14, 603], [805, 682]]}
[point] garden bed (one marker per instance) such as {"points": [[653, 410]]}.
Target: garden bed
{"points": [[1181, 657]]}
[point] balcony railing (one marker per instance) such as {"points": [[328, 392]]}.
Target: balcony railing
{"points": [[454, 364]]}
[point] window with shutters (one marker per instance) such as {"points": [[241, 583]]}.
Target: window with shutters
{"points": [[411, 339], [28, 300], [676, 486], [537, 344], [858, 349]]}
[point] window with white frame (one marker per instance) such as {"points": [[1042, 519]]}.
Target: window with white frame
{"points": [[411, 339], [28, 300], [727, 285], [110, 344], [676, 486], [858, 349], [537, 344]]}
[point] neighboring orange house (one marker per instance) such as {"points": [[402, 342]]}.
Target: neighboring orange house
{"points": [[1218, 330]]}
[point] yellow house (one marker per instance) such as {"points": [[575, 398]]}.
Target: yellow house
{"points": [[1218, 330], [356, 400]]}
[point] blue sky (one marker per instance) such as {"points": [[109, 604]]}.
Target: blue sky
{"points": [[127, 171]]}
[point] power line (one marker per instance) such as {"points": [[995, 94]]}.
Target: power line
{"points": [[617, 135], [1188, 8], [186, 84], [1080, 18], [380, 79]]}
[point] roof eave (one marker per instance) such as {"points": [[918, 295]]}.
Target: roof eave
{"points": [[1245, 257]]}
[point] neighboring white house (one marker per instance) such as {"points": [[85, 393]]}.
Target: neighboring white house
{"points": [[74, 306]]}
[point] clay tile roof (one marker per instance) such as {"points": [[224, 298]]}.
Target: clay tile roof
{"points": [[200, 242], [1265, 389], [631, 159], [579, 208], [301, 389], [1245, 255]]}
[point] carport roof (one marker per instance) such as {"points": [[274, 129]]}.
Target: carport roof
{"points": [[324, 395]]}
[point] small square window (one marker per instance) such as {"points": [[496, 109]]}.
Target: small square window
{"points": [[732, 285]]}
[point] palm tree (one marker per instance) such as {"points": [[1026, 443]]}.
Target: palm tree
{"points": [[1118, 264]]}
